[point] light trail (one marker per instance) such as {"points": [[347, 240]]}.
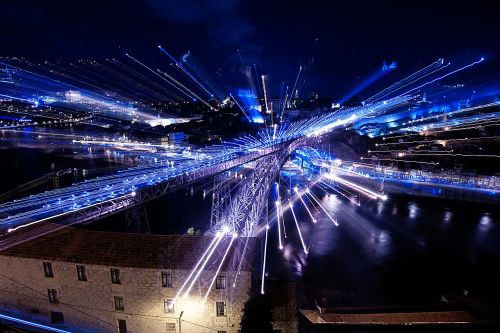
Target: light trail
{"points": [[185, 88], [371, 194], [189, 60], [32, 324], [99, 190], [264, 262], [303, 203], [310, 200], [438, 140], [284, 103], [217, 238], [298, 229], [238, 271], [278, 204], [147, 80], [296, 80], [240, 107], [186, 72], [398, 160], [321, 206], [132, 194], [464, 127], [461, 155], [234, 236], [342, 194], [257, 76], [469, 183], [263, 77], [454, 113], [283, 220], [442, 77], [152, 71], [202, 267], [408, 80]]}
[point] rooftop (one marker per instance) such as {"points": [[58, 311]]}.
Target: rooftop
{"points": [[390, 318], [120, 249]]}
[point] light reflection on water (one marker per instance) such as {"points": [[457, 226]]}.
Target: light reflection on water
{"points": [[412, 210], [376, 252], [447, 216]]}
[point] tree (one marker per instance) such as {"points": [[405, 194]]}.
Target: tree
{"points": [[257, 315]]}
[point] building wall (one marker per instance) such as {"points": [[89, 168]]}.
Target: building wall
{"points": [[90, 304]]}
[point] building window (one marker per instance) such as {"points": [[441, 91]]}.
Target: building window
{"points": [[119, 306], [52, 296], [220, 308], [56, 317], [220, 282], [80, 273], [170, 327], [166, 280], [168, 305], [221, 331], [122, 326], [47, 269], [115, 276]]}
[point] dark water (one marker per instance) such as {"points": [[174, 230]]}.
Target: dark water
{"points": [[404, 250], [33, 152]]}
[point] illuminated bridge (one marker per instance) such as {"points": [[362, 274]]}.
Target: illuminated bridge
{"points": [[33, 216], [384, 113]]}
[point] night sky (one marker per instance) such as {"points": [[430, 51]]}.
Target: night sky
{"points": [[354, 37]]}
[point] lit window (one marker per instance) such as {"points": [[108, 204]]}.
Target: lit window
{"points": [[170, 327], [52, 296], [119, 305], [80, 273], [220, 308], [122, 326], [166, 280], [115, 276], [220, 282], [169, 306], [47, 269]]}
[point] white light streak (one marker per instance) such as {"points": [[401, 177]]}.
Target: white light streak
{"points": [[278, 203], [216, 239], [323, 208], [235, 235], [298, 229], [264, 262], [371, 194], [303, 202], [203, 265]]}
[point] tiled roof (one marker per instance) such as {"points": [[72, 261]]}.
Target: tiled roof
{"points": [[401, 318], [131, 250]]}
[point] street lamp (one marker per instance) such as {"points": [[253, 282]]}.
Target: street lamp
{"points": [[180, 316]]}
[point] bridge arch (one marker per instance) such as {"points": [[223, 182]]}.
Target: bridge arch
{"points": [[247, 207]]}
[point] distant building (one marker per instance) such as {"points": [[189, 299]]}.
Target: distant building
{"points": [[87, 281], [390, 320], [174, 137], [283, 296]]}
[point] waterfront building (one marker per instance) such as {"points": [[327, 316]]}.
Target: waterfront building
{"points": [[88, 281]]}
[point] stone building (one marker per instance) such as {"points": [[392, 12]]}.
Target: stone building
{"points": [[283, 296], [88, 281]]}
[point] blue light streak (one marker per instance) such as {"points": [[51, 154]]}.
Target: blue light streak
{"points": [[32, 324]]}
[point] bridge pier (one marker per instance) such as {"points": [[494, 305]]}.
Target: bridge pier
{"points": [[136, 217], [137, 220]]}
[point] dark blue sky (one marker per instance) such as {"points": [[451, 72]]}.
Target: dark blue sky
{"points": [[354, 36]]}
